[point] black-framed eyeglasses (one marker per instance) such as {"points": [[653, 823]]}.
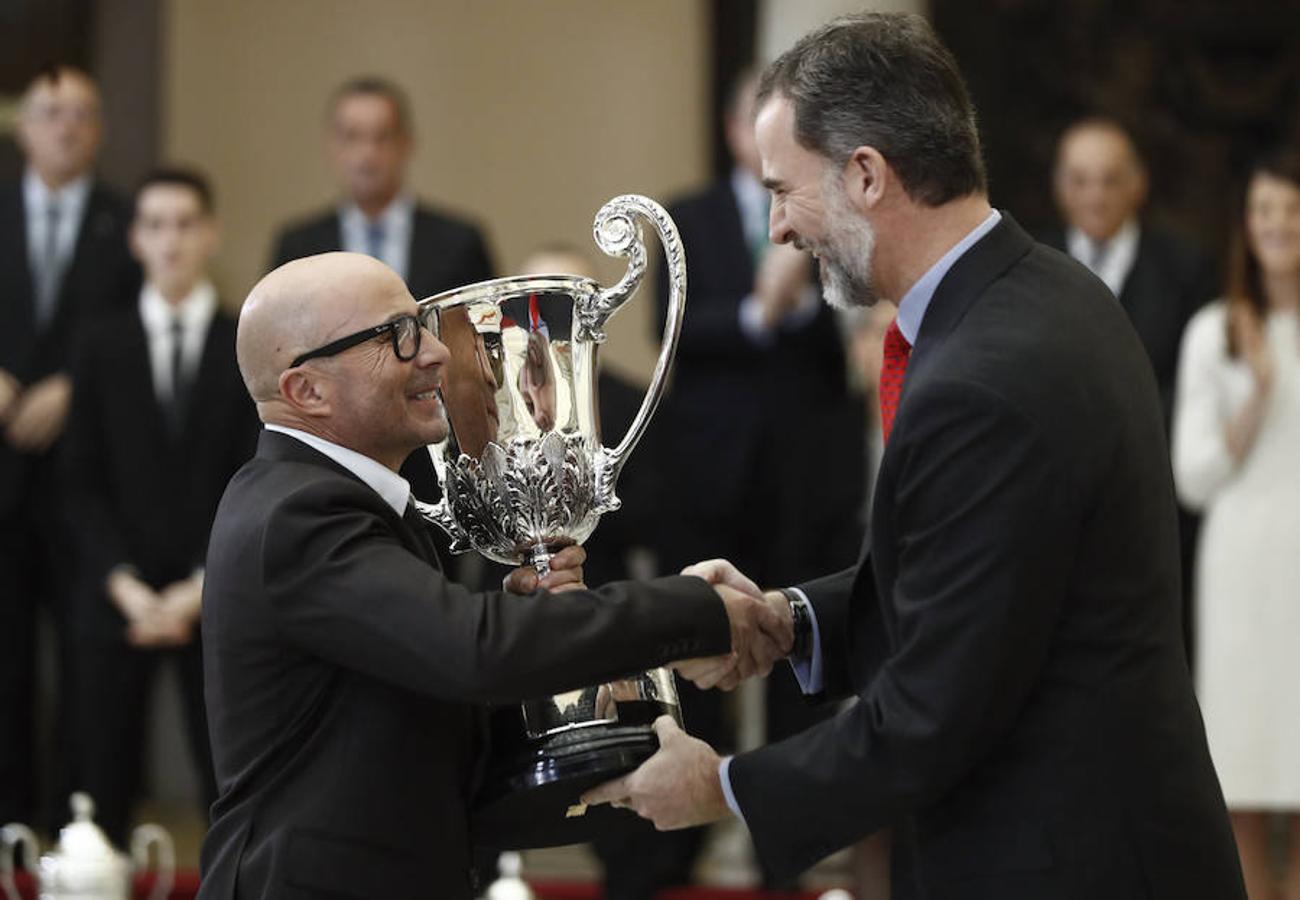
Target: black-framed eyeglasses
{"points": [[403, 331]]}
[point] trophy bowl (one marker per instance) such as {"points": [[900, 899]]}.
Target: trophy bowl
{"points": [[524, 473]]}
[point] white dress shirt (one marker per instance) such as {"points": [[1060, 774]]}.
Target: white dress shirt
{"points": [[195, 314], [398, 221], [1112, 260], [393, 488]]}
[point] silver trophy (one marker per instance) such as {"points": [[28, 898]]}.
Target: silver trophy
{"points": [[524, 472]]}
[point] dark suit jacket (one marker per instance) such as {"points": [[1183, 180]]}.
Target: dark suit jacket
{"points": [[1024, 715], [100, 276], [1169, 282], [139, 494], [343, 676]]}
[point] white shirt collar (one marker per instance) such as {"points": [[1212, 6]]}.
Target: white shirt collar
{"points": [[195, 310], [398, 221], [393, 488], [911, 309], [1118, 256], [72, 196]]}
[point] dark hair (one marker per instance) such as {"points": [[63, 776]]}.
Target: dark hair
{"points": [[188, 178], [887, 81], [374, 86], [1244, 283]]}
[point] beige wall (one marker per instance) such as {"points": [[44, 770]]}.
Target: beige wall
{"points": [[529, 114]]}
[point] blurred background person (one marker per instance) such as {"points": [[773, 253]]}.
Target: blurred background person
{"points": [[1235, 451], [63, 259], [369, 138], [1161, 280], [160, 423]]}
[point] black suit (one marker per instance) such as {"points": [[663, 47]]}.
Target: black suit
{"points": [[1024, 716], [143, 494], [1170, 280], [33, 541], [345, 672], [446, 252]]}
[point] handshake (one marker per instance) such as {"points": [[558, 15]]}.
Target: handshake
{"points": [[762, 629]]}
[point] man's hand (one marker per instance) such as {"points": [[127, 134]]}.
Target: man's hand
{"points": [[10, 391], [754, 651], [182, 601], [566, 574], [678, 787], [39, 414]]}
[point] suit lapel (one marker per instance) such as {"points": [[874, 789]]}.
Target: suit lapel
{"points": [[422, 254], [271, 445], [992, 255], [13, 235], [218, 344]]}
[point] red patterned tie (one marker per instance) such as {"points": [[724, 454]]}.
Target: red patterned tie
{"points": [[893, 366]]}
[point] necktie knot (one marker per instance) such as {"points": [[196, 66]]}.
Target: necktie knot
{"points": [[893, 369]]}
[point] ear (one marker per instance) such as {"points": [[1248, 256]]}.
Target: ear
{"points": [[306, 393], [866, 178]]}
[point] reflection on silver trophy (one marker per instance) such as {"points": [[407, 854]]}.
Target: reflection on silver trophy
{"points": [[524, 472]]}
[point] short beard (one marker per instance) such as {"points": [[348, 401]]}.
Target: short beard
{"points": [[848, 250]]}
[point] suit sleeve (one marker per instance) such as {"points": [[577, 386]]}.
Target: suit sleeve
{"points": [[711, 331], [89, 512], [830, 597], [344, 588], [985, 538]]}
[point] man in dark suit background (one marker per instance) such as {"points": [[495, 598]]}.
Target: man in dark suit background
{"points": [[344, 672], [160, 423], [1024, 717], [63, 259], [370, 137], [1100, 183]]}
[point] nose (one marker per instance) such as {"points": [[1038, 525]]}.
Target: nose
{"points": [[433, 352]]}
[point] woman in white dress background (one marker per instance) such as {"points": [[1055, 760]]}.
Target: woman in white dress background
{"points": [[1236, 455]]}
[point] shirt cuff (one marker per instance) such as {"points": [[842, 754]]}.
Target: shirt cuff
{"points": [[751, 321], [809, 671], [724, 775]]}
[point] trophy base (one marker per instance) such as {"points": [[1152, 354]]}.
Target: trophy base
{"points": [[531, 798]]}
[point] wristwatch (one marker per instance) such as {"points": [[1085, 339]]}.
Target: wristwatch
{"points": [[801, 611]]}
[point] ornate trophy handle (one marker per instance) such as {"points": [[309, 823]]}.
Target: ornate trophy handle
{"points": [[617, 233]]}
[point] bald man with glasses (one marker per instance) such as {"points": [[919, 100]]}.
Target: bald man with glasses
{"points": [[346, 677]]}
